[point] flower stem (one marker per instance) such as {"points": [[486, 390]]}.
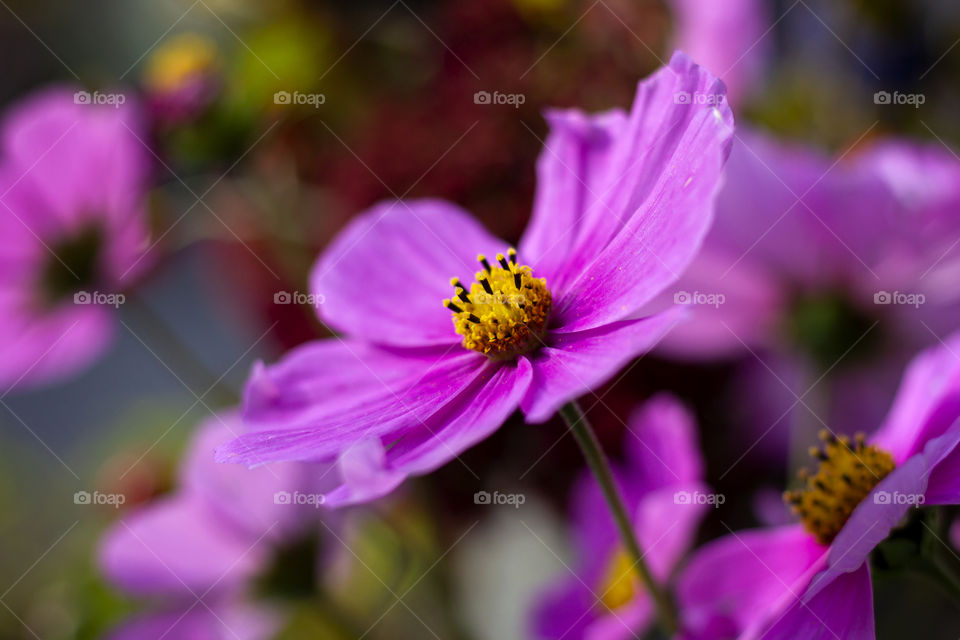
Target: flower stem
{"points": [[600, 467]]}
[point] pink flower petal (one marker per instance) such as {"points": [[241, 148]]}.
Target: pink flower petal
{"points": [[385, 276], [370, 470], [574, 363], [666, 170], [179, 547], [844, 609], [737, 580]]}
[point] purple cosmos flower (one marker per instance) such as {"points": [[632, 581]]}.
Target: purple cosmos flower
{"points": [[813, 580], [622, 204], [662, 475], [793, 224], [201, 550], [72, 229], [817, 264]]}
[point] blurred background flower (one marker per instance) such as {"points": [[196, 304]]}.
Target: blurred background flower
{"points": [[662, 483], [74, 228]]}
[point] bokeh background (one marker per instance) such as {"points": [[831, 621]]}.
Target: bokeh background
{"points": [[248, 191]]}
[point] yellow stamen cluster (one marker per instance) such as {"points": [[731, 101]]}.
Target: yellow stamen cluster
{"points": [[505, 311], [620, 582], [845, 477]]}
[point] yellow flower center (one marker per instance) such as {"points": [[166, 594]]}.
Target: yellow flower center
{"points": [[845, 477], [620, 582], [505, 311], [179, 60]]}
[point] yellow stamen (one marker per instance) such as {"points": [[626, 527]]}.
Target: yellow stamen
{"points": [[845, 477], [504, 313], [620, 583]]}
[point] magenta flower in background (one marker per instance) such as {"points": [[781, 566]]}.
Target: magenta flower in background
{"points": [[813, 580], [222, 621], [73, 229], [794, 223], [730, 39], [623, 201], [803, 243], [199, 552], [823, 271], [661, 481]]}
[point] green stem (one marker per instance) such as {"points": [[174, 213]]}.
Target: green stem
{"points": [[597, 461]]}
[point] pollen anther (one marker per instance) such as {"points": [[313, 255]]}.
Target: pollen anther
{"points": [[505, 311], [620, 582], [846, 475]]}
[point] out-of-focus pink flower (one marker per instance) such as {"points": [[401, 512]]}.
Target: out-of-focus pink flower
{"points": [[662, 482], [878, 229], [199, 550], [823, 266], [728, 38], [797, 581], [623, 202], [220, 620], [73, 228]]}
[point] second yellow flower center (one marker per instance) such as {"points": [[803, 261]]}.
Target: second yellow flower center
{"points": [[847, 474], [504, 313], [620, 582]]}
